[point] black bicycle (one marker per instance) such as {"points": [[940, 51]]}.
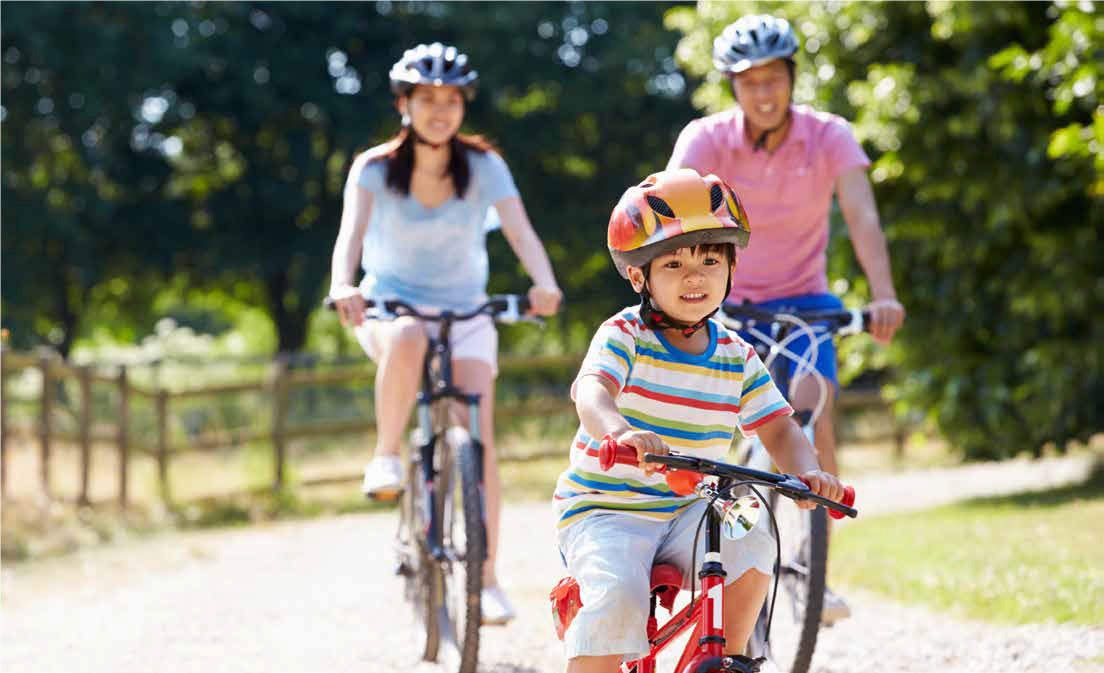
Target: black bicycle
{"points": [[804, 551], [441, 542]]}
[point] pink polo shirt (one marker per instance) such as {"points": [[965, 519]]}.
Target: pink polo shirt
{"points": [[787, 194]]}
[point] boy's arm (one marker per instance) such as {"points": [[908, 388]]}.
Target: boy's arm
{"points": [[598, 412], [793, 454]]}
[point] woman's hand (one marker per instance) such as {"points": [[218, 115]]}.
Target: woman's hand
{"points": [[544, 299], [644, 442], [823, 484], [350, 304]]}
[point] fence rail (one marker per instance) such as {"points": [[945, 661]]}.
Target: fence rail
{"points": [[277, 383]]}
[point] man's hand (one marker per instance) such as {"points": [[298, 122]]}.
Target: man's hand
{"points": [[544, 299], [886, 316], [644, 442], [823, 484], [350, 304]]}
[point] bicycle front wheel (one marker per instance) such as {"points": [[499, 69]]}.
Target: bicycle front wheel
{"points": [[800, 600], [422, 582], [464, 537]]}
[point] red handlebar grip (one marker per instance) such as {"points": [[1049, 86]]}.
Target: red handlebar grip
{"points": [[611, 453], [848, 500]]}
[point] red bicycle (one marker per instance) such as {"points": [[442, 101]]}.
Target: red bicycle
{"points": [[731, 511]]}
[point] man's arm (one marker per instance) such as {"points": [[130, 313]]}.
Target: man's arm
{"points": [[856, 199]]}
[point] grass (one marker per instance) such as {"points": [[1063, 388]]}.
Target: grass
{"points": [[1026, 558]]}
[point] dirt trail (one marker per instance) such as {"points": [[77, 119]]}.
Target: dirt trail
{"points": [[319, 595]]}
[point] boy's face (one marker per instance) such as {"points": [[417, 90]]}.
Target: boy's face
{"points": [[686, 285]]}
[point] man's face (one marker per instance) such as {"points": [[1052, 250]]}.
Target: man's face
{"points": [[764, 93]]}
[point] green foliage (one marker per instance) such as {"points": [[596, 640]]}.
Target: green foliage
{"points": [[985, 124], [232, 133]]}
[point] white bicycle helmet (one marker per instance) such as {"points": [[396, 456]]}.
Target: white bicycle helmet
{"points": [[753, 40], [434, 64]]}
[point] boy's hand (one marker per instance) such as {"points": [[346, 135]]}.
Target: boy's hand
{"points": [[644, 442], [823, 484]]}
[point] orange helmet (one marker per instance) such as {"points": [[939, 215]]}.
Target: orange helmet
{"points": [[674, 209]]}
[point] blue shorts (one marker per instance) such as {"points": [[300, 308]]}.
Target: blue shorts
{"points": [[826, 354]]}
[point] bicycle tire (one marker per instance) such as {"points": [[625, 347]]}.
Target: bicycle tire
{"points": [[464, 536], [802, 581], [422, 581]]}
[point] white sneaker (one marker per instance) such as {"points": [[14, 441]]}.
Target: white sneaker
{"points": [[383, 478], [497, 609], [835, 608]]}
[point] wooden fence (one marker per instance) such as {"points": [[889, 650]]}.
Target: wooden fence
{"points": [[280, 380]]}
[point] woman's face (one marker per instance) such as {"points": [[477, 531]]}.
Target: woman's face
{"points": [[436, 112], [764, 93]]}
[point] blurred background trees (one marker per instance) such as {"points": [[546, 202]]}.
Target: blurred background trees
{"points": [[986, 125], [187, 159]]}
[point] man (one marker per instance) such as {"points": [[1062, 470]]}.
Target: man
{"points": [[785, 162]]}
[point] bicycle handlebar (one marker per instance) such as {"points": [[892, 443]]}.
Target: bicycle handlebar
{"points": [[844, 322], [684, 474], [503, 308]]}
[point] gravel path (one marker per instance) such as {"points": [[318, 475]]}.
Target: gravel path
{"points": [[318, 595]]}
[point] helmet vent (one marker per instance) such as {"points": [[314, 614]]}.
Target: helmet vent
{"points": [[660, 206], [716, 197]]}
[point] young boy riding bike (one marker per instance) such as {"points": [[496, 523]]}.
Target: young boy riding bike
{"points": [[659, 376]]}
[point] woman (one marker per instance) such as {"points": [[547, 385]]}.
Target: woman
{"points": [[418, 200]]}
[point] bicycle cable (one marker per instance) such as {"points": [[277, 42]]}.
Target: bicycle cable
{"points": [[717, 494]]}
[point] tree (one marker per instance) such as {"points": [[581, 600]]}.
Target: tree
{"points": [[81, 200], [986, 126]]}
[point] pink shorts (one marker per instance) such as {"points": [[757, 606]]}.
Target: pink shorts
{"points": [[475, 339]]}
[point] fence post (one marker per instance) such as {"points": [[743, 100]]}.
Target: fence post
{"points": [[44, 421], [3, 425], [279, 411], [163, 445], [124, 448], [85, 373]]}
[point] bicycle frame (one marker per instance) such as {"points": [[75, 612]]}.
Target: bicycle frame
{"points": [[434, 418], [705, 613]]}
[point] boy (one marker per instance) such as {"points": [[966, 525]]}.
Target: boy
{"points": [[658, 376]]}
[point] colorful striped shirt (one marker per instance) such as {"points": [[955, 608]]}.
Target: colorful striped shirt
{"points": [[693, 402]]}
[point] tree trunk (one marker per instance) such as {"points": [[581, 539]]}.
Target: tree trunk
{"points": [[291, 322]]}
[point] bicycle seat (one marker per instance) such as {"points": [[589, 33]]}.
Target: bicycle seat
{"points": [[666, 583]]}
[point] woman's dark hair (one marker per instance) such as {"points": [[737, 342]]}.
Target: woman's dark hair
{"points": [[400, 160]]}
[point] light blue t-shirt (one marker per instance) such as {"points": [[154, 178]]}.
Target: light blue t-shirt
{"points": [[431, 256]]}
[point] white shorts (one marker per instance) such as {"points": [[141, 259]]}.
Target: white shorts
{"points": [[475, 339], [611, 556]]}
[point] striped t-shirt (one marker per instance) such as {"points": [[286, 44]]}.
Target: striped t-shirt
{"points": [[693, 402]]}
